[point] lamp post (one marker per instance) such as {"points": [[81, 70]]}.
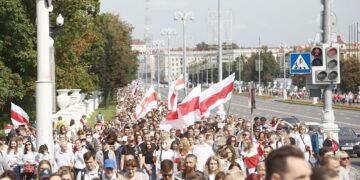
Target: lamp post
{"points": [[43, 84], [183, 17], [284, 58], [157, 45], [259, 66], [53, 32], [168, 32]]}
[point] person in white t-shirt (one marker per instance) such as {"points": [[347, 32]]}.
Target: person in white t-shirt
{"points": [[163, 153], [202, 151]]}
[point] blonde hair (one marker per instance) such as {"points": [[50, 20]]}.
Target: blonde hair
{"points": [[207, 168], [330, 135], [248, 145]]}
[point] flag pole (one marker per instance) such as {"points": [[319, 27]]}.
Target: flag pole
{"points": [[228, 109]]}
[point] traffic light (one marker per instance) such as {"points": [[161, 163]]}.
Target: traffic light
{"points": [[333, 64], [326, 68]]}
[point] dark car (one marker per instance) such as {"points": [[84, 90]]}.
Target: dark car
{"points": [[348, 141], [292, 120]]}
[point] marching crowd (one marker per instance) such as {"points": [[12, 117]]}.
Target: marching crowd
{"points": [[212, 149]]}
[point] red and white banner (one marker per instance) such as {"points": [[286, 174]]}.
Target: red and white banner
{"points": [[18, 116], [188, 112], [251, 159], [148, 103], [8, 128], [216, 95], [172, 96]]}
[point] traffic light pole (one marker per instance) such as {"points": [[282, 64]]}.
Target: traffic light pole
{"points": [[328, 118]]}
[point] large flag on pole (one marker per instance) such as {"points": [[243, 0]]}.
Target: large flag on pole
{"points": [[19, 116], [172, 96], [187, 113], [148, 103], [216, 95]]}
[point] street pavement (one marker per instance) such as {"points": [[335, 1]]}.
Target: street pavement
{"points": [[269, 108]]}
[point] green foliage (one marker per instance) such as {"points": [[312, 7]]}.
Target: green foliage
{"points": [[270, 68], [350, 75], [118, 65], [17, 56], [299, 80], [11, 85]]}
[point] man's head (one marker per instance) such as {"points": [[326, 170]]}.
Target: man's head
{"points": [[172, 133], [167, 169], [247, 126], [287, 162], [331, 163], [190, 163], [262, 120], [109, 166], [89, 159], [201, 138], [63, 146]]}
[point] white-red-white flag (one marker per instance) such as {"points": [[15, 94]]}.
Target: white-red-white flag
{"points": [[172, 96], [8, 128], [18, 115], [188, 112], [148, 103], [216, 95]]}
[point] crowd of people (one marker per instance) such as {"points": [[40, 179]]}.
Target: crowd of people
{"points": [[211, 149]]}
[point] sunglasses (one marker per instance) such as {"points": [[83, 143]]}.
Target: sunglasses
{"points": [[346, 158], [166, 175]]}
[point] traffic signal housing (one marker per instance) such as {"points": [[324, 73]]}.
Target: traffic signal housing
{"points": [[326, 69]]}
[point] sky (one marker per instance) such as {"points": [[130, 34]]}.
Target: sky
{"points": [[276, 22]]}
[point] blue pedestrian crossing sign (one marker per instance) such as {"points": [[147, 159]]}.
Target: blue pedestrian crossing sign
{"points": [[300, 63]]}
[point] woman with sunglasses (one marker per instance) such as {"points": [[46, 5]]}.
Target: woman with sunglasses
{"points": [[28, 161], [350, 171]]}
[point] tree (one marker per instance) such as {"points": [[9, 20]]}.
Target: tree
{"points": [[299, 80], [17, 56], [270, 68], [350, 75], [118, 65]]}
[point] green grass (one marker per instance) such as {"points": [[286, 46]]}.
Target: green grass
{"points": [[320, 104], [108, 113]]}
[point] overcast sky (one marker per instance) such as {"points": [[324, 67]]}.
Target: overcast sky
{"points": [[275, 21]]}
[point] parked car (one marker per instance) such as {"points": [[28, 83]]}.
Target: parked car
{"points": [[349, 141], [315, 125], [292, 120]]}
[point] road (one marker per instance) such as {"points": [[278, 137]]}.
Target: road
{"points": [[269, 108]]}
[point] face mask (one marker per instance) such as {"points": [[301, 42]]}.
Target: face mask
{"points": [[322, 131]]}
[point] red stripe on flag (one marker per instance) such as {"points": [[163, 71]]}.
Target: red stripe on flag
{"points": [[18, 117], [189, 106], [172, 115], [220, 95]]}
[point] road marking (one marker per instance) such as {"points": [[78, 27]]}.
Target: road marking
{"points": [[298, 115]]}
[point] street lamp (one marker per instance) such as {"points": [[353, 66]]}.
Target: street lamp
{"points": [[157, 45], [285, 84], [43, 84], [183, 17], [168, 32], [53, 32]]}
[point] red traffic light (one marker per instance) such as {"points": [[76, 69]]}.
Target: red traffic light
{"points": [[332, 52], [316, 51]]}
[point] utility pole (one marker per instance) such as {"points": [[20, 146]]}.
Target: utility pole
{"points": [[328, 118], [259, 66], [219, 43]]}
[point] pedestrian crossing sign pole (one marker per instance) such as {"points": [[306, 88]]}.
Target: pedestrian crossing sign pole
{"points": [[300, 63]]}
